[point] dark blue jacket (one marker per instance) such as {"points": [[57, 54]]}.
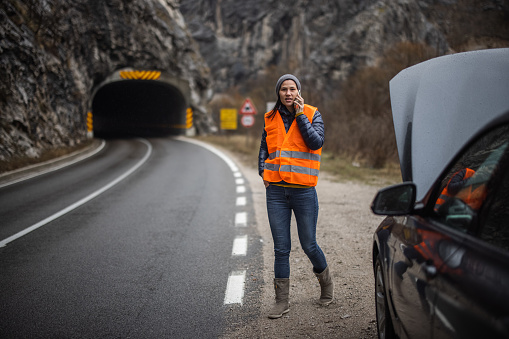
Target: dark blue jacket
{"points": [[312, 133]]}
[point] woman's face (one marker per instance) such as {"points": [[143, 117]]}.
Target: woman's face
{"points": [[287, 93]]}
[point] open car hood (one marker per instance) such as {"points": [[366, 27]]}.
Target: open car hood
{"points": [[439, 104]]}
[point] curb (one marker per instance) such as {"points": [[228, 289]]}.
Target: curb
{"points": [[12, 177]]}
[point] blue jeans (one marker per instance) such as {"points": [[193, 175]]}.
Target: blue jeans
{"points": [[304, 203]]}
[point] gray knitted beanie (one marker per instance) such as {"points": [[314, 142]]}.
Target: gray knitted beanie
{"points": [[286, 77]]}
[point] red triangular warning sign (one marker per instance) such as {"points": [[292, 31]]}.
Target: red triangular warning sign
{"points": [[248, 107]]}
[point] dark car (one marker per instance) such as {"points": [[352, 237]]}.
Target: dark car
{"points": [[441, 256]]}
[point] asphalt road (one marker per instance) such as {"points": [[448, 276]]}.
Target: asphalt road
{"points": [[148, 256]]}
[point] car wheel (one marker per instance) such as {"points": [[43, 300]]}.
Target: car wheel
{"points": [[383, 316]]}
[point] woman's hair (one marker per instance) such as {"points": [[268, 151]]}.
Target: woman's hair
{"points": [[274, 110]]}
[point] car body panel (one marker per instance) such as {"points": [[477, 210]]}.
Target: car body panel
{"points": [[428, 95], [446, 268], [460, 301]]}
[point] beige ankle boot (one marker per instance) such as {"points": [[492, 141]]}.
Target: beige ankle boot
{"points": [[282, 288], [326, 286]]}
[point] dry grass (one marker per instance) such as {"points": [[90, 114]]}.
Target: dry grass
{"points": [[356, 111], [339, 168]]}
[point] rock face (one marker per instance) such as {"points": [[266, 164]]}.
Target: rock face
{"points": [[320, 40], [53, 53], [317, 39]]}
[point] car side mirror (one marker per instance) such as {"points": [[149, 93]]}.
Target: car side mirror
{"points": [[395, 200]]}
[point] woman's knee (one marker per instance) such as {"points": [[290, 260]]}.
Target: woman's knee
{"points": [[311, 249], [281, 253]]}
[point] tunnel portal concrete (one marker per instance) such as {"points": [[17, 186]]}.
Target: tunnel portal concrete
{"points": [[140, 103]]}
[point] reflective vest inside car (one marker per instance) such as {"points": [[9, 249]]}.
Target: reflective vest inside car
{"points": [[289, 157], [445, 195]]}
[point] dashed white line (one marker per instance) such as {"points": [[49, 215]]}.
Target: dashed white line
{"points": [[241, 219], [235, 288], [241, 201], [236, 281], [240, 245]]}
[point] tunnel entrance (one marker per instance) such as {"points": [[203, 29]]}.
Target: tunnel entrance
{"points": [[146, 108]]}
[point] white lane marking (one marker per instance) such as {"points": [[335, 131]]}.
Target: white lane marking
{"points": [[82, 201], [220, 154], [241, 201], [241, 219], [240, 245], [235, 288], [53, 168], [236, 281]]}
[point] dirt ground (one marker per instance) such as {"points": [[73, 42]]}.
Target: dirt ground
{"points": [[344, 232]]}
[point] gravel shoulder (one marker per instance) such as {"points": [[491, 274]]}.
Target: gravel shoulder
{"points": [[344, 232]]}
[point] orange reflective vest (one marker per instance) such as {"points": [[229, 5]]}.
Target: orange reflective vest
{"points": [[289, 157], [473, 196], [445, 193]]}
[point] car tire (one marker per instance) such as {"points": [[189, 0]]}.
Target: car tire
{"points": [[383, 315]]}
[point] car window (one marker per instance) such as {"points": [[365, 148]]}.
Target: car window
{"points": [[465, 188], [494, 224]]}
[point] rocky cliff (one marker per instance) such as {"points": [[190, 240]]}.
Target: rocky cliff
{"points": [[326, 40], [53, 53]]}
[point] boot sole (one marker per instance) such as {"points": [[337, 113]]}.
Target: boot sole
{"points": [[277, 316], [326, 303]]}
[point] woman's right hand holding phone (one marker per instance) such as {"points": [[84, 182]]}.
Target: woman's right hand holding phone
{"points": [[299, 103]]}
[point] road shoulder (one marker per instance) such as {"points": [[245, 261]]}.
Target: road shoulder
{"points": [[344, 232], [31, 171]]}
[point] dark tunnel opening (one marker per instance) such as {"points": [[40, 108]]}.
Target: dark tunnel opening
{"points": [[145, 108]]}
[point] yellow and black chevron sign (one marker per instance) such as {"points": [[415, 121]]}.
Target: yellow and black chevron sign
{"points": [[90, 122], [189, 118], [140, 75]]}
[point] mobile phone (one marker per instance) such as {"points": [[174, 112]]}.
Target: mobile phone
{"points": [[295, 105]]}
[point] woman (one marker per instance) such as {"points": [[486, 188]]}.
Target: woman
{"points": [[289, 162]]}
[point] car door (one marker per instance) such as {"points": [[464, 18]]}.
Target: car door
{"points": [[412, 289], [472, 281]]}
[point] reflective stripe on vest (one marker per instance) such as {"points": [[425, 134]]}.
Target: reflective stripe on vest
{"points": [[295, 155], [289, 157], [291, 168]]}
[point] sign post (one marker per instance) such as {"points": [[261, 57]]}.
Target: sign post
{"points": [[248, 110]]}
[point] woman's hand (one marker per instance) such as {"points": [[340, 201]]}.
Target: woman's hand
{"points": [[266, 183], [299, 104]]}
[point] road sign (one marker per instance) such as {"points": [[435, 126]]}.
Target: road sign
{"points": [[90, 122], [248, 107], [228, 118], [247, 120], [189, 117]]}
